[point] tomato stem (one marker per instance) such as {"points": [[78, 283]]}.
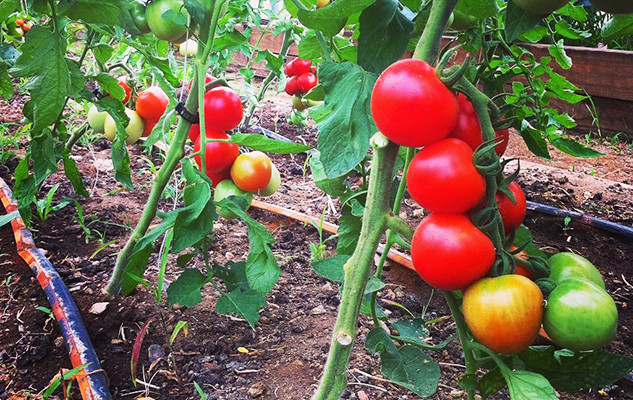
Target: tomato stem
{"points": [[428, 46]]}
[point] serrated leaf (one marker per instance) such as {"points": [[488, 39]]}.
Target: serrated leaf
{"points": [[6, 85], [526, 385], [334, 187], [384, 34], [518, 21], [74, 176], [263, 143], [102, 52], [108, 12], [245, 303], [42, 148], [573, 147], [348, 234], [344, 120], [331, 19], [558, 52], [534, 140], [331, 268], [186, 289]]}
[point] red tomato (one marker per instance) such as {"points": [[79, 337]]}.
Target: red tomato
{"points": [[411, 106], [20, 21], [449, 252], [288, 69], [468, 128], [147, 128], [442, 178], [251, 171], [504, 313], [217, 177], [151, 103], [219, 155], [208, 79], [306, 81], [126, 88], [222, 108], [512, 214], [300, 66], [313, 69], [292, 86]]}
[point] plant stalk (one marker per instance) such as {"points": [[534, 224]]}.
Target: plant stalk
{"points": [[462, 331]]}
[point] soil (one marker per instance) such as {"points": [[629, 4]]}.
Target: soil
{"points": [[289, 345]]}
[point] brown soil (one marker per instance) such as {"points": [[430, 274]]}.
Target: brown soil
{"points": [[287, 349]]}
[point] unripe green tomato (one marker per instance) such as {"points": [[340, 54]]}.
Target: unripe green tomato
{"points": [[188, 48], [137, 12], [580, 316], [462, 21], [569, 265], [96, 119], [297, 103], [540, 7], [226, 189], [162, 28], [134, 128], [273, 185]]}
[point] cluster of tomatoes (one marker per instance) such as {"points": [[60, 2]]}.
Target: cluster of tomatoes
{"points": [[150, 105], [17, 26], [301, 78], [412, 107]]}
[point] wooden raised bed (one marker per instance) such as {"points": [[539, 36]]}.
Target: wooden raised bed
{"points": [[606, 75]]}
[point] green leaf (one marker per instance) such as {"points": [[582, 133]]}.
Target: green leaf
{"points": [[107, 12], [74, 176], [384, 34], [406, 366], [558, 52], [263, 143], [245, 303], [526, 385], [331, 19], [102, 53], [373, 285], [344, 120], [186, 289], [518, 21], [573, 147], [491, 382], [348, 234], [478, 8], [135, 267], [8, 54], [331, 268], [618, 26], [42, 148], [581, 370], [6, 85], [7, 7], [334, 187], [534, 140], [196, 10]]}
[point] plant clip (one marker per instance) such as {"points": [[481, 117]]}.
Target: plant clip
{"points": [[97, 94], [186, 115]]}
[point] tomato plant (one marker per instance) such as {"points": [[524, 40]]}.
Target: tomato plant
{"points": [[442, 178], [411, 106], [151, 103], [165, 29], [134, 128], [580, 315], [512, 213], [225, 189], [252, 171], [566, 265], [504, 313], [207, 79], [219, 155], [449, 252], [222, 108], [137, 12]]}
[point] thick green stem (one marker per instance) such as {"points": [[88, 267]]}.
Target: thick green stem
{"points": [[462, 331], [77, 134], [428, 46], [358, 269]]}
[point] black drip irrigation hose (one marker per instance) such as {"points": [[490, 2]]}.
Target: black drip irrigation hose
{"points": [[599, 223]]}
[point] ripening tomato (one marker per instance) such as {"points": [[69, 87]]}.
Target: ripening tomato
{"points": [[512, 214], [449, 252], [297, 103], [567, 265], [217, 177], [612, 6], [166, 29], [207, 79], [520, 268], [411, 106], [226, 189], [148, 128], [580, 315], [292, 87], [219, 156], [96, 119], [540, 7], [134, 128], [126, 88], [468, 128], [222, 108], [251, 171], [442, 178], [306, 81], [504, 313], [273, 185], [322, 3], [151, 103]]}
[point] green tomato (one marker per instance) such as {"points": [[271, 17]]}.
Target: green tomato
{"points": [[614, 6], [580, 316], [297, 103], [273, 185], [226, 189], [96, 119], [137, 12], [569, 265], [162, 28], [134, 128], [540, 7], [462, 21], [188, 48]]}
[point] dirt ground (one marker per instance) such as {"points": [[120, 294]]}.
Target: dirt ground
{"points": [[287, 349]]}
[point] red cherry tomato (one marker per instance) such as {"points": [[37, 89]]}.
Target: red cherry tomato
{"points": [[292, 86], [126, 88], [147, 128], [219, 156], [468, 128], [217, 177], [288, 69], [222, 108], [306, 81], [411, 106], [442, 178], [151, 103], [208, 79], [449, 252], [512, 214], [251, 171], [300, 66], [504, 313], [20, 21]]}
